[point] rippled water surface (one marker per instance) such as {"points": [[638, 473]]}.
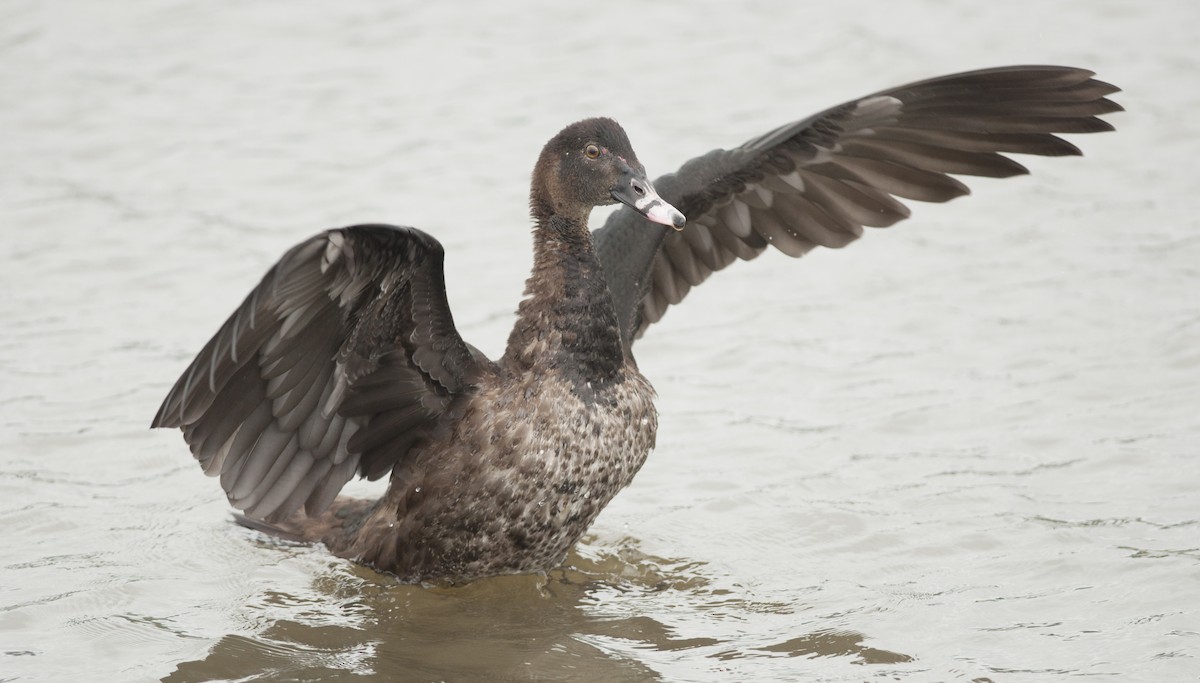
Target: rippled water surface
{"points": [[963, 449]]}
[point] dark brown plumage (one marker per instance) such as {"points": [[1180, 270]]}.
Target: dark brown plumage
{"points": [[345, 359], [818, 181]]}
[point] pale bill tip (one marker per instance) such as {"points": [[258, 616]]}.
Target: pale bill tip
{"points": [[663, 213]]}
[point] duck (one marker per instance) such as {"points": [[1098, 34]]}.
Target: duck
{"points": [[345, 361]]}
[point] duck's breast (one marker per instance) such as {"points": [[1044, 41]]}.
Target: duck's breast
{"points": [[522, 472]]}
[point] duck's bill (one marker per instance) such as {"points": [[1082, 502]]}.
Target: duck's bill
{"points": [[659, 211], [639, 194]]}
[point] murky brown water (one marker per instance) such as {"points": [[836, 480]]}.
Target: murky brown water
{"points": [[964, 449]]}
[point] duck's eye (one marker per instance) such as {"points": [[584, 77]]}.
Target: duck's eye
{"points": [[592, 151]]}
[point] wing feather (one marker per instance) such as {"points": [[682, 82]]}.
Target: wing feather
{"points": [[345, 347], [820, 180]]}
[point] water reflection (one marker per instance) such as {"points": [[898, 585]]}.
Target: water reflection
{"points": [[553, 627], [834, 644], [515, 627]]}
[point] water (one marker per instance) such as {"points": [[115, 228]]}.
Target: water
{"points": [[963, 449]]}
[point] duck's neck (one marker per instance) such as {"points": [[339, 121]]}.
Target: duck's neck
{"points": [[566, 320]]}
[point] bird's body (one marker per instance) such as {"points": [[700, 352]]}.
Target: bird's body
{"points": [[345, 359], [519, 475], [521, 463]]}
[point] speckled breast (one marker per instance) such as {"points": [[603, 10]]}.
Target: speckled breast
{"points": [[532, 462], [585, 443]]}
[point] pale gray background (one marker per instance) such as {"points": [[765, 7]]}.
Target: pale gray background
{"points": [[963, 449]]}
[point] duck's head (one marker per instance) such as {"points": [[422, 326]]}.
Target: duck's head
{"points": [[591, 163]]}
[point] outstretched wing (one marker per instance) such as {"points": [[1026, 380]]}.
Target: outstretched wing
{"points": [[818, 181], [331, 366]]}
